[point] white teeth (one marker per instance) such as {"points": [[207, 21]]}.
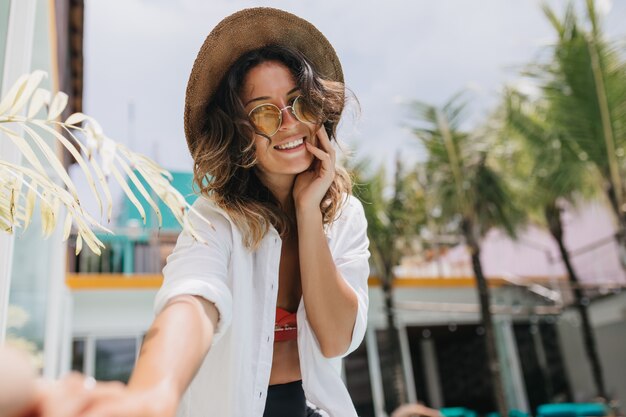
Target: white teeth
{"points": [[292, 144]]}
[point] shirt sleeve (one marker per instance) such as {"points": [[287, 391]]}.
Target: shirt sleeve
{"points": [[201, 268], [352, 261]]}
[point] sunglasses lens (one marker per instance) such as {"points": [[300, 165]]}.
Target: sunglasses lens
{"points": [[266, 119], [304, 111]]}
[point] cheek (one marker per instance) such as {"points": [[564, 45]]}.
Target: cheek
{"points": [[262, 153], [261, 146]]}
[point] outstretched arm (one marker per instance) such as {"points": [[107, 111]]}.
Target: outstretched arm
{"points": [[173, 350]]}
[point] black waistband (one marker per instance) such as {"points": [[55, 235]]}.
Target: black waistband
{"points": [[285, 400]]}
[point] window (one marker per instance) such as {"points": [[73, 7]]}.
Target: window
{"points": [[78, 355], [115, 359], [106, 358], [358, 381]]}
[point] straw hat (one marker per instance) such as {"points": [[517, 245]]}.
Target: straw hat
{"points": [[242, 32]]}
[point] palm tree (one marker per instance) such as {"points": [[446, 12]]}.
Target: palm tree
{"points": [[395, 215], [583, 86], [471, 196], [584, 83], [554, 174]]}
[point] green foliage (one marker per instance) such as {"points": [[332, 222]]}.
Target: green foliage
{"points": [[547, 165], [583, 85], [461, 176], [395, 211]]}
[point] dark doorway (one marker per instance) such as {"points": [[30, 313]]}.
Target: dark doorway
{"points": [[462, 365], [359, 382], [542, 366]]}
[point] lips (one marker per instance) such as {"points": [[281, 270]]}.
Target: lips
{"points": [[291, 143]]}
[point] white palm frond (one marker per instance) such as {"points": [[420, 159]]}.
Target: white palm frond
{"points": [[98, 156]]}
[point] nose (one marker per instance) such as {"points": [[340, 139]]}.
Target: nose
{"points": [[289, 120]]}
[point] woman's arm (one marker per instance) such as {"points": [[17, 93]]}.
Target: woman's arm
{"points": [[172, 352], [331, 305]]}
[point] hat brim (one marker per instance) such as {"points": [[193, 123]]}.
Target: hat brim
{"points": [[242, 32]]}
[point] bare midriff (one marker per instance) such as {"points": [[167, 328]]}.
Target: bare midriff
{"points": [[285, 363]]}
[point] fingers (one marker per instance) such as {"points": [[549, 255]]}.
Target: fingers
{"points": [[109, 409], [117, 400], [325, 143], [106, 390], [320, 154], [75, 395], [326, 160], [325, 153], [17, 382], [66, 398]]}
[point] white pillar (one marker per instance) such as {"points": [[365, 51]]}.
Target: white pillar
{"points": [[65, 364], [429, 356], [511, 369], [55, 317], [407, 363], [17, 61], [89, 366], [376, 379]]}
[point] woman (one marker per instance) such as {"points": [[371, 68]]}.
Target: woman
{"points": [[255, 320]]}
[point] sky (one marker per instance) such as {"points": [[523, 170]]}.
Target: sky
{"points": [[138, 55]]}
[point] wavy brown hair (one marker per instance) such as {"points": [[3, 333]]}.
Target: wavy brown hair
{"points": [[224, 156]]}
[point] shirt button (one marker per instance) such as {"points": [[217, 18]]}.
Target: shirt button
{"points": [[268, 338], [260, 394]]}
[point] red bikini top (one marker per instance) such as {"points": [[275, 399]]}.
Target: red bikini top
{"points": [[286, 327]]}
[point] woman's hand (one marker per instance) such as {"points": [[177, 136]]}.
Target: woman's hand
{"points": [[75, 395], [78, 396], [415, 410], [312, 184], [18, 387]]}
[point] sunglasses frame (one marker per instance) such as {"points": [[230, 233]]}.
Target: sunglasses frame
{"points": [[280, 116]]}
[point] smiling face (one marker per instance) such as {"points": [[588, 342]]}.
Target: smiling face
{"points": [[283, 156]]}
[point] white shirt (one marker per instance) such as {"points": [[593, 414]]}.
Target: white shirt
{"points": [[234, 376]]}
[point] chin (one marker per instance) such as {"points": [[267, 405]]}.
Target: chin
{"points": [[298, 170], [294, 166], [305, 165]]}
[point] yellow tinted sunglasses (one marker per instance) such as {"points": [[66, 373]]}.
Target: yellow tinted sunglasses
{"points": [[267, 118]]}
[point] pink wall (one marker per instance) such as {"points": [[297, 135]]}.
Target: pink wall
{"points": [[535, 253]]}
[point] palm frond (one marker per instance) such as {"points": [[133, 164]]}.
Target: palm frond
{"points": [[395, 212], [460, 178], [97, 156], [584, 84], [549, 164], [50, 195]]}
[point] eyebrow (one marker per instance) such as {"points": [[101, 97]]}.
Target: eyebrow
{"points": [[293, 90]]}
